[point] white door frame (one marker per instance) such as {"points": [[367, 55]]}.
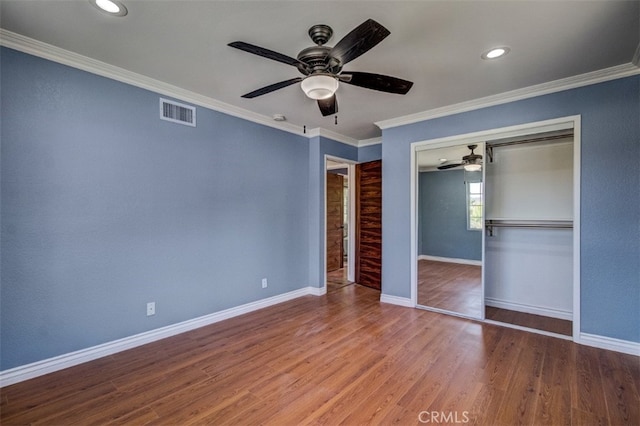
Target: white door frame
{"points": [[351, 249], [499, 133]]}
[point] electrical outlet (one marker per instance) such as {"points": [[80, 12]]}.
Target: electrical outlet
{"points": [[151, 308], [264, 283]]}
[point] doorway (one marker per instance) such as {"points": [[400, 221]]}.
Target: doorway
{"points": [[339, 213]]}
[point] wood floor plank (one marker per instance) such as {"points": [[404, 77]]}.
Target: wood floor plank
{"points": [[221, 413], [377, 392], [342, 358], [67, 405], [51, 387], [538, 322], [519, 404], [554, 398], [588, 400], [461, 391], [437, 369], [485, 408], [141, 417], [142, 395], [621, 397], [500, 366]]}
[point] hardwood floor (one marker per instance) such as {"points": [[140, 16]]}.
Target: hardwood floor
{"points": [[450, 286], [539, 322], [343, 358], [338, 278]]}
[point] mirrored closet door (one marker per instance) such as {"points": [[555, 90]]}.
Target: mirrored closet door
{"points": [[450, 229]]}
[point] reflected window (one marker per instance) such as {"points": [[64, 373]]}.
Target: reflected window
{"points": [[474, 206]]}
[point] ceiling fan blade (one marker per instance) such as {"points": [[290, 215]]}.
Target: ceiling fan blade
{"points": [[272, 87], [360, 40], [383, 83], [328, 106], [269, 54], [449, 166]]}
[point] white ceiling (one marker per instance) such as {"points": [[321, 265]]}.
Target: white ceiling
{"points": [[435, 44]]}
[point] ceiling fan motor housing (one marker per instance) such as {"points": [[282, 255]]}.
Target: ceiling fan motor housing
{"points": [[318, 60], [320, 34], [473, 157]]}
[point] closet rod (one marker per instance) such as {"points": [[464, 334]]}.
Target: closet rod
{"points": [[547, 224]]}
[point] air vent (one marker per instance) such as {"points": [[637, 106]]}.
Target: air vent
{"points": [[177, 112]]}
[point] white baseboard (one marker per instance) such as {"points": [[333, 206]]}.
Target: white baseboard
{"points": [[624, 346], [450, 260], [317, 291], [40, 368], [396, 300], [529, 309]]}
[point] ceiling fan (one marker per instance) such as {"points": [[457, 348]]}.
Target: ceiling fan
{"points": [[471, 162], [322, 65]]}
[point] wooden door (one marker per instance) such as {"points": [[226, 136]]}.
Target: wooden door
{"points": [[335, 219], [369, 224]]}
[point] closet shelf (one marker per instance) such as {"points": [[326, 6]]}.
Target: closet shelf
{"points": [[519, 223]]}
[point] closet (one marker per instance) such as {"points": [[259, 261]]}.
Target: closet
{"points": [[529, 231]]}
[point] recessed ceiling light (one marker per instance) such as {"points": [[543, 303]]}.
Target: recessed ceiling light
{"points": [[112, 7], [496, 52]]}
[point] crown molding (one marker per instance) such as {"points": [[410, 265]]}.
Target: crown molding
{"points": [[619, 71], [371, 141], [318, 131], [43, 50]]}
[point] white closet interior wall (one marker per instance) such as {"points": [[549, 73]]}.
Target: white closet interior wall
{"points": [[530, 269]]}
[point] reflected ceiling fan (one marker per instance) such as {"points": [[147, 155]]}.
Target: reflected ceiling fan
{"points": [[322, 65], [471, 162]]}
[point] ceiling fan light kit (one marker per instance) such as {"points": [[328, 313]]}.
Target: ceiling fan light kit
{"points": [[473, 167], [319, 86], [322, 65], [471, 162]]}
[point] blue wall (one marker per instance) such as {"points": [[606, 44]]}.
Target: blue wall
{"points": [[610, 200], [442, 217], [370, 153], [105, 207]]}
